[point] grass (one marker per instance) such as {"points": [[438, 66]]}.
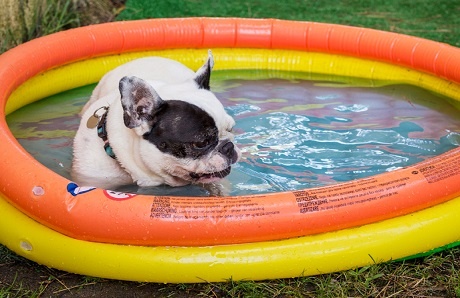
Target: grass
{"points": [[55, 16], [435, 276], [436, 20], [48, 16]]}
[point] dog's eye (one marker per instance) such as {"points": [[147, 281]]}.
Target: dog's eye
{"points": [[200, 145]]}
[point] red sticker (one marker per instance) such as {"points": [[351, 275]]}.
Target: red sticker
{"points": [[118, 196]]}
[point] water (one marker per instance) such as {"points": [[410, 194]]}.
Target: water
{"points": [[293, 134]]}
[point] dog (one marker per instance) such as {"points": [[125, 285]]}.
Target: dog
{"points": [[154, 121]]}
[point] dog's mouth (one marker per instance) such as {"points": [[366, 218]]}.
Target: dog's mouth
{"points": [[210, 176]]}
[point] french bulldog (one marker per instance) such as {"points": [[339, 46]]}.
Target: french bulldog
{"points": [[154, 121]]}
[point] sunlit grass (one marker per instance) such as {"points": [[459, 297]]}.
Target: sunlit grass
{"points": [[46, 17]]}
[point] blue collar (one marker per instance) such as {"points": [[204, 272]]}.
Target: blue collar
{"points": [[102, 133]]}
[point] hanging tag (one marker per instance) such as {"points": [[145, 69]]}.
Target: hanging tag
{"points": [[93, 121]]}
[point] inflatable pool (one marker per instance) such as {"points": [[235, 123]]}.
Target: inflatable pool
{"points": [[97, 232]]}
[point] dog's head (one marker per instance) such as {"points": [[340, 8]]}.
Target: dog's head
{"points": [[191, 142]]}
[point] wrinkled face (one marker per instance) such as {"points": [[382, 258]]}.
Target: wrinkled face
{"points": [[190, 140], [193, 148]]}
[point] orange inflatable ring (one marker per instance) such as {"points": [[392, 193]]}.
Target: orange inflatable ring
{"points": [[99, 215]]}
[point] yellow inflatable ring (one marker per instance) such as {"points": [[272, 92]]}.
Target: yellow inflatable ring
{"points": [[325, 251]]}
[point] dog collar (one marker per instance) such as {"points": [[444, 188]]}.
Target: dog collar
{"points": [[102, 133]]}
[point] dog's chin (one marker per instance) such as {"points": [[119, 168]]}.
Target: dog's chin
{"points": [[210, 177]]}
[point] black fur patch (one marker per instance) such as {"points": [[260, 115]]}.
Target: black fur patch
{"points": [[183, 130], [204, 79]]}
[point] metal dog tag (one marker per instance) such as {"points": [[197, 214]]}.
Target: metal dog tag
{"points": [[92, 121]]}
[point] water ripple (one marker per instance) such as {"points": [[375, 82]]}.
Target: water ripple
{"points": [[296, 147]]}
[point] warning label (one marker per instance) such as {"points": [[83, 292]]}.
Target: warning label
{"points": [[442, 170], [347, 194], [212, 208]]}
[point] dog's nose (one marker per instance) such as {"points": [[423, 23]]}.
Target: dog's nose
{"points": [[227, 149]]}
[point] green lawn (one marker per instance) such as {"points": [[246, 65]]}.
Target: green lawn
{"points": [[436, 20]]}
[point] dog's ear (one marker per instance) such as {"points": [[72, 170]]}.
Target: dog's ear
{"points": [[139, 101], [203, 75]]}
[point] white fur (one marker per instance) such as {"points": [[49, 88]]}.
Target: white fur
{"points": [[138, 160]]}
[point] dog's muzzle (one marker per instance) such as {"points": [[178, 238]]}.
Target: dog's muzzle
{"points": [[220, 174], [227, 149]]}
